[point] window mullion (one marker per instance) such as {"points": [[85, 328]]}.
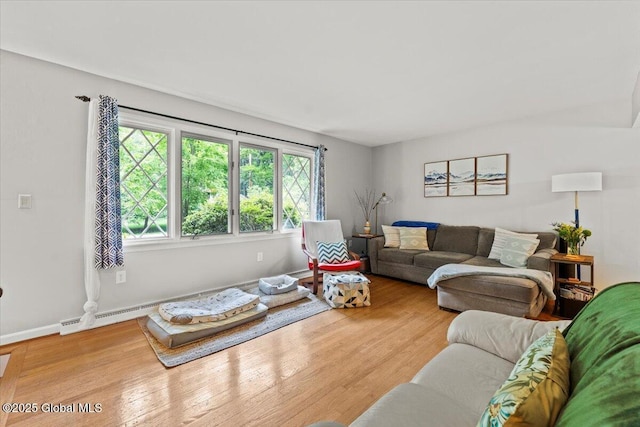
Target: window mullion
{"points": [[278, 204], [235, 192], [173, 185]]}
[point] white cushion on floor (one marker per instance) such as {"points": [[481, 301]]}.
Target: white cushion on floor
{"points": [[222, 305]]}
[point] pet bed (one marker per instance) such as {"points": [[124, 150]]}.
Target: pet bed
{"points": [[224, 304], [278, 284], [272, 301], [172, 335]]}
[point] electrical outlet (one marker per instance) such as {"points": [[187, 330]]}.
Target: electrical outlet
{"points": [[260, 257], [24, 201], [121, 277]]}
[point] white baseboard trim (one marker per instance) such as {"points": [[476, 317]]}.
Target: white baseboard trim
{"points": [[29, 334], [111, 317], [121, 315]]}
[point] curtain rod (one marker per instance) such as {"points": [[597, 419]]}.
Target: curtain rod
{"points": [[84, 98]]}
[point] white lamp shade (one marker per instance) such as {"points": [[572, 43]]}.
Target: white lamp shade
{"points": [[586, 181]]}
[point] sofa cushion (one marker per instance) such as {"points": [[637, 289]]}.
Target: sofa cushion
{"points": [[413, 238], [548, 240], [452, 370], [398, 256], [517, 250], [499, 334], [483, 262], [414, 405], [391, 236], [452, 238], [499, 240], [435, 259], [537, 388], [498, 287], [485, 240]]}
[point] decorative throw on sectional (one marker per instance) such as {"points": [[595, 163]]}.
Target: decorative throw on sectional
{"points": [[346, 290]]}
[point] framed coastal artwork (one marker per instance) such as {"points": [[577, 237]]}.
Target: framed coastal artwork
{"points": [[491, 175], [435, 179], [462, 174], [471, 176]]}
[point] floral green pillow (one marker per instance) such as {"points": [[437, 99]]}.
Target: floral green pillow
{"points": [[537, 388]]}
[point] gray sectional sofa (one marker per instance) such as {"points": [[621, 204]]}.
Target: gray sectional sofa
{"points": [[469, 245]]}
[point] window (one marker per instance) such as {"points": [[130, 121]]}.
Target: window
{"points": [[257, 173], [186, 181], [296, 189], [205, 187], [143, 182]]}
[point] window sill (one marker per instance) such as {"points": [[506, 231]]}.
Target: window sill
{"points": [[188, 242]]}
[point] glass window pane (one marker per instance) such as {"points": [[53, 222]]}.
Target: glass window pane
{"points": [[257, 172], [296, 189], [205, 187], [143, 183]]}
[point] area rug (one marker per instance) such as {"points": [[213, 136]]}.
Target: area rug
{"points": [[276, 318]]}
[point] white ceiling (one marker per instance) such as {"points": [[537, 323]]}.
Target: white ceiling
{"points": [[371, 72]]}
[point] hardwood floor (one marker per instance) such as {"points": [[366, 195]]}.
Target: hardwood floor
{"points": [[332, 366]]}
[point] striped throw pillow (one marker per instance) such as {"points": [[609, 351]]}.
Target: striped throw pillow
{"points": [[332, 253]]}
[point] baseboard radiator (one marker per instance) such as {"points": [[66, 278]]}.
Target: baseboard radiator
{"points": [[121, 315]]}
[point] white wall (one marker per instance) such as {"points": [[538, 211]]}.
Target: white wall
{"points": [[595, 138], [42, 153]]}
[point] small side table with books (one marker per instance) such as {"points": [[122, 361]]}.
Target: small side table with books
{"points": [[366, 266], [572, 293]]}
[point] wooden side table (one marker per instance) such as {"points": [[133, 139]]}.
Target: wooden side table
{"points": [[366, 266], [568, 307]]}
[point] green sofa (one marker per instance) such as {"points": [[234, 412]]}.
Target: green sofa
{"points": [[455, 387], [604, 349]]}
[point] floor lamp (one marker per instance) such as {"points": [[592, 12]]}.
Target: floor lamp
{"points": [[586, 181], [383, 200]]}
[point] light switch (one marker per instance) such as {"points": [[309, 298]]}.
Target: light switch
{"points": [[24, 201]]}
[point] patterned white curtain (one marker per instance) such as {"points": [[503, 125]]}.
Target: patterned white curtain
{"points": [[102, 222], [318, 179]]}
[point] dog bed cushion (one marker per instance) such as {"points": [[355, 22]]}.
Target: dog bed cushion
{"points": [[278, 284], [272, 301], [220, 306], [172, 335]]}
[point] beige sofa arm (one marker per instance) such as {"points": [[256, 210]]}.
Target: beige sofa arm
{"points": [[505, 336], [540, 260]]}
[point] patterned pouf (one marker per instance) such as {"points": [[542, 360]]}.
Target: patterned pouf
{"points": [[346, 290]]}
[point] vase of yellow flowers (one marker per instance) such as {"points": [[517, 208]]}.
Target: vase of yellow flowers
{"points": [[574, 236]]}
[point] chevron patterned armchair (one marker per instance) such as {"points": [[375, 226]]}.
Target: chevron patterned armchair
{"points": [[324, 245]]}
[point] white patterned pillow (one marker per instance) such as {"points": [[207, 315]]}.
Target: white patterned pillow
{"points": [[499, 238], [517, 250], [413, 238], [332, 253], [391, 236]]}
